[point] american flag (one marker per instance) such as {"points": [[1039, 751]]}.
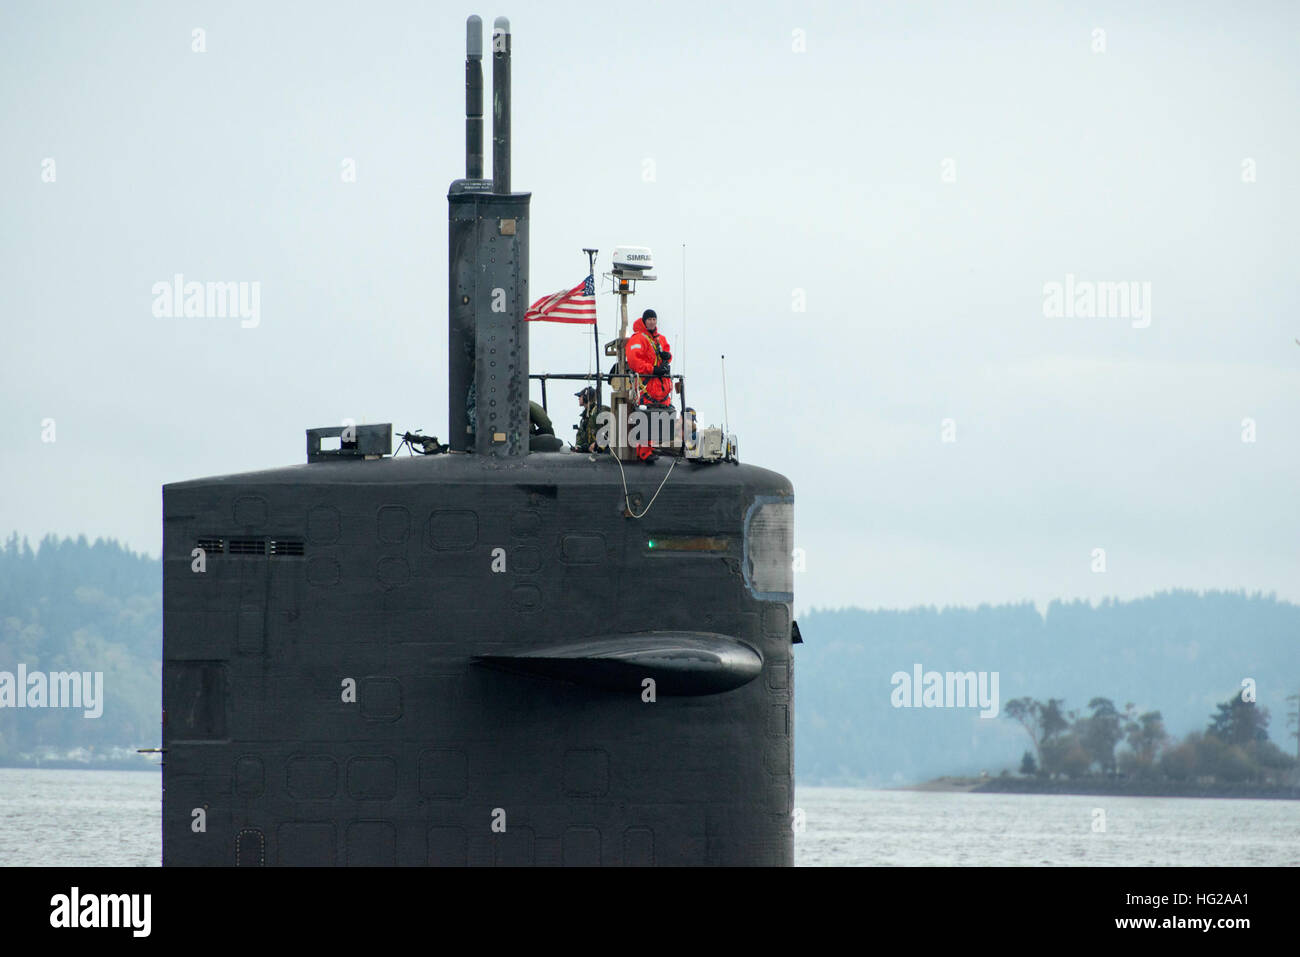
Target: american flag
{"points": [[568, 305]]}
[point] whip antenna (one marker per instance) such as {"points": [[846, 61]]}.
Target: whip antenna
{"points": [[683, 309], [726, 419]]}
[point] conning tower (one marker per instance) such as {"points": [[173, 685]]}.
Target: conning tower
{"points": [[487, 277]]}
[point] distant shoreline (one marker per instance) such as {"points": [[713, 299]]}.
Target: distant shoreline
{"points": [[961, 785], [942, 785]]}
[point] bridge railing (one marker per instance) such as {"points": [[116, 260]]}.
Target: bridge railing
{"points": [[610, 380]]}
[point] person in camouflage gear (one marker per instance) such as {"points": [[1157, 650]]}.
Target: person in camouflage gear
{"points": [[539, 423], [588, 426]]}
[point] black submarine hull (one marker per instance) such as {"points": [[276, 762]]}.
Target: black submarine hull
{"points": [[468, 660]]}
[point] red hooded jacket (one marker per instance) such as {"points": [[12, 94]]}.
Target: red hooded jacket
{"points": [[645, 350]]}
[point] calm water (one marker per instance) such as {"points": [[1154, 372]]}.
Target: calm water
{"points": [[113, 817], [854, 826], [80, 818]]}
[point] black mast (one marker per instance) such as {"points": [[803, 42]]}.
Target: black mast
{"points": [[487, 359]]}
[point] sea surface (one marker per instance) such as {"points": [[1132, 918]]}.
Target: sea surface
{"points": [[862, 827], [84, 818]]}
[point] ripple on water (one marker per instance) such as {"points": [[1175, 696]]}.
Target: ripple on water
{"points": [[115, 818], [860, 826]]}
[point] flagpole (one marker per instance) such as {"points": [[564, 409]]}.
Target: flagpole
{"points": [[595, 330]]}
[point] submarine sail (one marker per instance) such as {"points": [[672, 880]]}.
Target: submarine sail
{"points": [[488, 656]]}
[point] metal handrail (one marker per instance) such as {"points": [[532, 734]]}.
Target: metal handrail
{"points": [[608, 377]]}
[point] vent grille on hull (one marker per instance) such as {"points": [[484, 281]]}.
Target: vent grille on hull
{"points": [[277, 548], [247, 546]]}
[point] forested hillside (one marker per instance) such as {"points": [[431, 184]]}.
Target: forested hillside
{"points": [[1179, 653], [75, 606]]}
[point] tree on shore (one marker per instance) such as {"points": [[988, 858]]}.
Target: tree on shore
{"points": [[1145, 736], [1066, 755], [1239, 722], [1028, 766], [1100, 732], [1042, 722], [1234, 748]]}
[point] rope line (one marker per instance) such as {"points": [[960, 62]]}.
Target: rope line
{"points": [[626, 499]]}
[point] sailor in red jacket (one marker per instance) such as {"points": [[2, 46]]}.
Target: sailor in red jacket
{"points": [[649, 357]]}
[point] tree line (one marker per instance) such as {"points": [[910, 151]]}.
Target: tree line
{"points": [[75, 605], [1102, 741], [1169, 649]]}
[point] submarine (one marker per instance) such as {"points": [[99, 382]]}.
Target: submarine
{"points": [[495, 652]]}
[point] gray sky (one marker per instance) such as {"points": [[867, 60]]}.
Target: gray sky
{"points": [[823, 171]]}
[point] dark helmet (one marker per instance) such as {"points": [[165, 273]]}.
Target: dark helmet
{"points": [[587, 394], [649, 314]]}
